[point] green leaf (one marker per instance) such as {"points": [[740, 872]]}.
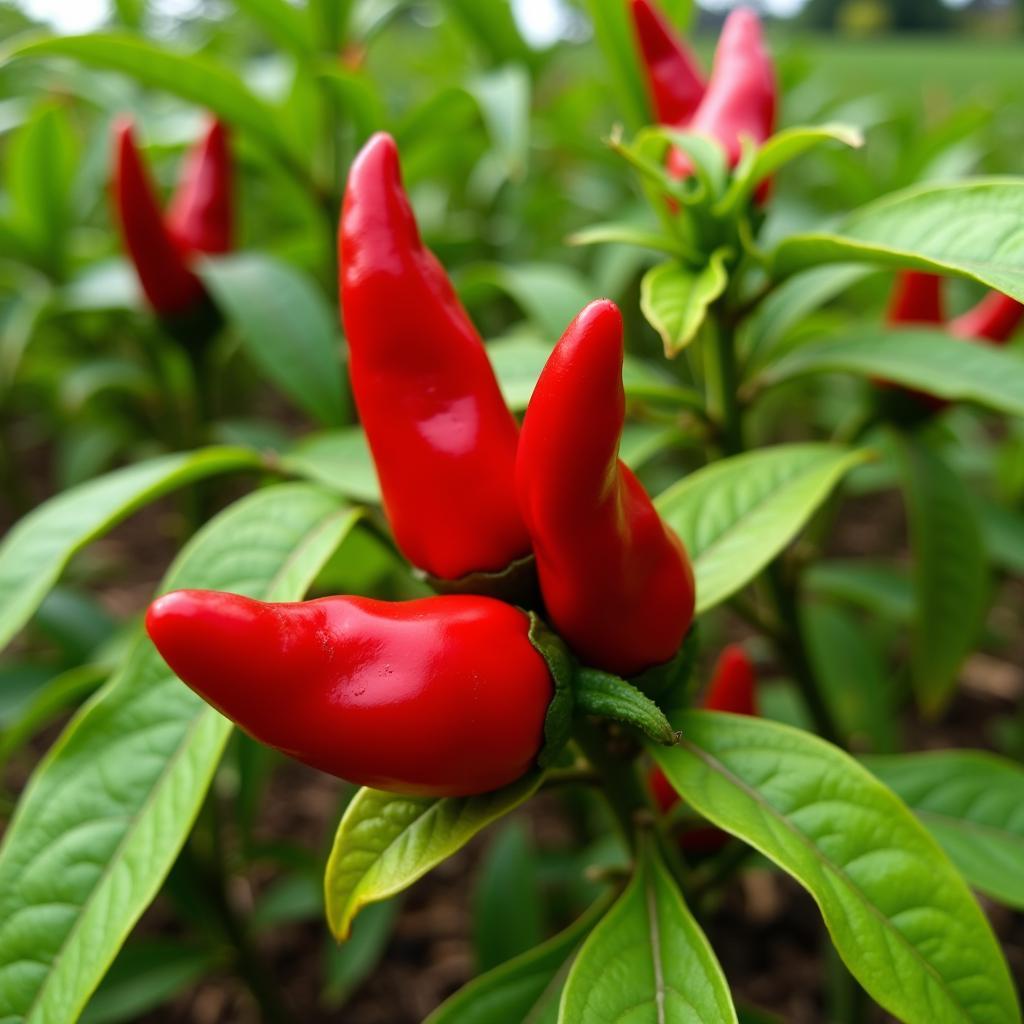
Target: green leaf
{"points": [[503, 96], [508, 917], [111, 804], [880, 589], [852, 676], [339, 460], [41, 167], [675, 299], [285, 325], [493, 28], [144, 976], [968, 228], [525, 990], [736, 515], [37, 549], [778, 151], [929, 361], [950, 572], [1003, 529], [191, 77], [614, 35], [973, 804], [624, 234], [282, 22], [899, 915], [385, 842], [647, 960], [788, 304], [347, 967]]}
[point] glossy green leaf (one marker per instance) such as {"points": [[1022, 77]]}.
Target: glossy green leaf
{"points": [[880, 589], [736, 515], [950, 572], [192, 77], [525, 990], [285, 325], [973, 803], [899, 914], [970, 228], [929, 361], [778, 151], [675, 299], [624, 234], [385, 842], [647, 960], [37, 549], [110, 806]]}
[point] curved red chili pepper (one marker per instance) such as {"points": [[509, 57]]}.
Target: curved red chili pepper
{"points": [[674, 81], [916, 299], [200, 219], [733, 688], [170, 287], [616, 582], [740, 100], [444, 696], [201, 215], [441, 435], [995, 318]]}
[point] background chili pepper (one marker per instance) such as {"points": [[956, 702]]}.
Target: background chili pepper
{"points": [[616, 582], [995, 318], [444, 696], [442, 438], [674, 81], [916, 299], [200, 219], [740, 99]]}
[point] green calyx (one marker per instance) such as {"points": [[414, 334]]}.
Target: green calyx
{"points": [[515, 584], [588, 691]]}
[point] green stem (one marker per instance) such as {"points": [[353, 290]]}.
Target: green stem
{"points": [[723, 381], [627, 797]]}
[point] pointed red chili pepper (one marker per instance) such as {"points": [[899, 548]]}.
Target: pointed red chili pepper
{"points": [[916, 299], [674, 81], [740, 99], [201, 215], [995, 318], [733, 688], [616, 582], [442, 438], [445, 696], [162, 248]]}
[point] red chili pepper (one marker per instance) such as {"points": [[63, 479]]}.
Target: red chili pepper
{"points": [[444, 696], [441, 435], [162, 248], [740, 99], [995, 318], [733, 688], [674, 81], [616, 582], [916, 299]]}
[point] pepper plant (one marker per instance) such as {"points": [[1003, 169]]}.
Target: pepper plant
{"points": [[565, 530]]}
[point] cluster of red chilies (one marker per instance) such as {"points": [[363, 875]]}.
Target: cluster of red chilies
{"points": [[163, 247], [449, 695]]}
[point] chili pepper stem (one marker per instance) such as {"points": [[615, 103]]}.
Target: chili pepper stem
{"points": [[627, 797], [723, 383]]}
